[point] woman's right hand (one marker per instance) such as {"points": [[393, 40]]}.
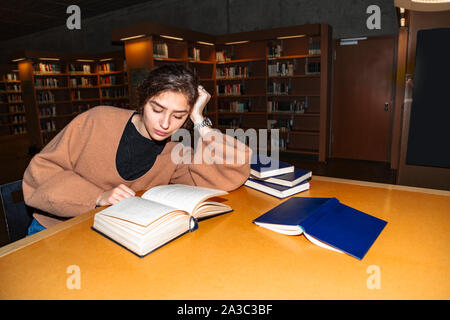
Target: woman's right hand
{"points": [[115, 195]]}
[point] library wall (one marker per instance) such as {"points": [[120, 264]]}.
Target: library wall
{"points": [[347, 19]]}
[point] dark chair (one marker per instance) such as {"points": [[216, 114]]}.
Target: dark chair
{"points": [[17, 214]]}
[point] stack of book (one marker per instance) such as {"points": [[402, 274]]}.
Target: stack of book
{"points": [[277, 178]]}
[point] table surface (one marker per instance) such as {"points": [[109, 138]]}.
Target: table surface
{"points": [[229, 257]]}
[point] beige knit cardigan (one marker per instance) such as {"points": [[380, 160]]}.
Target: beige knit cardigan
{"points": [[66, 178]]}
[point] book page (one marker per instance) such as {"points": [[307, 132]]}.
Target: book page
{"points": [[181, 196], [321, 244], [137, 210]]}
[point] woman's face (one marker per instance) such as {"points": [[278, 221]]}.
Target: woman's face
{"points": [[165, 113]]}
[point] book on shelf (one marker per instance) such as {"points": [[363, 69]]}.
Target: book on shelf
{"points": [[76, 68], [233, 72], [160, 50], [162, 214], [313, 68], [194, 54], [46, 68], [223, 55], [276, 190], [11, 77], [234, 89], [281, 69], [326, 222], [264, 166], [107, 67], [293, 106], [275, 50], [314, 47]]}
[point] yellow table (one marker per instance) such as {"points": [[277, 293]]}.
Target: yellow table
{"points": [[228, 257]]}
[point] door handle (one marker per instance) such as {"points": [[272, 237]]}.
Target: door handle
{"points": [[386, 106]]}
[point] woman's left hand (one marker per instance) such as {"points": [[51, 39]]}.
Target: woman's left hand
{"points": [[199, 106]]}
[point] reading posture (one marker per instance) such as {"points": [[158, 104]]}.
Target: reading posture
{"points": [[106, 154]]}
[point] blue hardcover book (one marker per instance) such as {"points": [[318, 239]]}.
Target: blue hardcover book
{"points": [[276, 190], [326, 222], [289, 179], [263, 167]]}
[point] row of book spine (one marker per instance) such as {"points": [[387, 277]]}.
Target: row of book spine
{"points": [[13, 87], [19, 129], [46, 82], [107, 67], [47, 111], [233, 72], [109, 80], [280, 69], [85, 68], [231, 123], [72, 68], [114, 92], [17, 119], [230, 89], [48, 125], [46, 67], [294, 106], [160, 50], [194, 54], [223, 55], [279, 87], [45, 96], [14, 98], [16, 108], [11, 77], [82, 82], [282, 124], [235, 106], [313, 68]]}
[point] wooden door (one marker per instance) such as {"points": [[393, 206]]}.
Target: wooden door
{"points": [[362, 99]]}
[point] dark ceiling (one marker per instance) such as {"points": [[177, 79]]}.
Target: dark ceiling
{"points": [[22, 17]]}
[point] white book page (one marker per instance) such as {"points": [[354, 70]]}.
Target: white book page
{"points": [[321, 244], [137, 210], [181, 196], [280, 228]]}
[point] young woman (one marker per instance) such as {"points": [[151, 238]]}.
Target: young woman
{"points": [[106, 154]]}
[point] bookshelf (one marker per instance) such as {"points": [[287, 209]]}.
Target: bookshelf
{"points": [[12, 110], [265, 79], [284, 74], [58, 86]]}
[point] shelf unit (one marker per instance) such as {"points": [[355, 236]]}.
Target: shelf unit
{"points": [[57, 87], [277, 78], [12, 109]]}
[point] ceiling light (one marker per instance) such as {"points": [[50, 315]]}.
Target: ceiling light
{"points": [[207, 43], [133, 37], [236, 42], [290, 37], [170, 37]]}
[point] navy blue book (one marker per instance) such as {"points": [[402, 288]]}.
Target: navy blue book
{"points": [[276, 190], [326, 222], [263, 167], [289, 179]]}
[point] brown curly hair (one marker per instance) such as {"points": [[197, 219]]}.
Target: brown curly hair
{"points": [[173, 77]]}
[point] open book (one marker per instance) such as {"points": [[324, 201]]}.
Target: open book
{"points": [[163, 213], [325, 222]]}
